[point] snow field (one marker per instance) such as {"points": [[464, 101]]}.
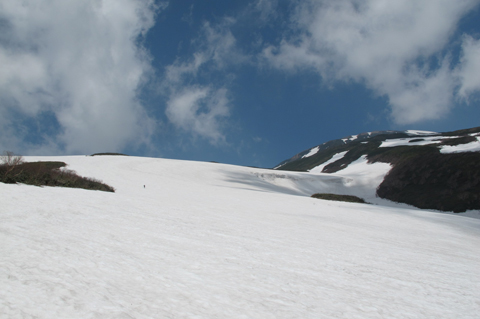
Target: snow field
{"points": [[312, 152], [206, 240], [469, 147], [417, 132], [336, 157], [427, 140]]}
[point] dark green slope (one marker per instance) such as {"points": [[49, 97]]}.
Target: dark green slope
{"points": [[420, 176]]}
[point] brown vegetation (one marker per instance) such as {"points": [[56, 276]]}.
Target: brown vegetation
{"points": [[340, 198], [13, 170], [431, 180]]}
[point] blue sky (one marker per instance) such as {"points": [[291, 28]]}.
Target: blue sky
{"points": [[240, 82]]}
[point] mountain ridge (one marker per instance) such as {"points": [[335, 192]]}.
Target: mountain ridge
{"points": [[429, 170], [351, 138]]}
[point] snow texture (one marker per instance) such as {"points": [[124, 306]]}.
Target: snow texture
{"points": [[312, 152], [427, 140], [362, 179], [205, 240], [350, 138], [469, 147], [336, 157], [417, 132]]}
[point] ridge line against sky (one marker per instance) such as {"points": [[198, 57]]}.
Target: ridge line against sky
{"points": [[242, 82]]}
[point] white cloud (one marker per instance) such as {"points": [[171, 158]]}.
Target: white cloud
{"points": [[175, 72], [421, 96], [216, 49], [81, 61], [221, 44], [197, 108], [266, 9], [469, 70], [387, 45], [200, 110]]}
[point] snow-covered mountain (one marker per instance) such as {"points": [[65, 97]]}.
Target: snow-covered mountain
{"points": [[428, 170], [182, 239]]}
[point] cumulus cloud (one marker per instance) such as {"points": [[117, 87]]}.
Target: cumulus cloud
{"points": [[396, 48], [81, 63], [196, 108], [469, 69], [266, 8]]}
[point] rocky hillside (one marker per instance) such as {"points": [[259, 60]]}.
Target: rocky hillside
{"points": [[429, 170]]}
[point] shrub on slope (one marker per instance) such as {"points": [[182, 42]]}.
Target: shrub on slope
{"points": [[48, 174], [340, 198], [108, 153], [431, 180]]}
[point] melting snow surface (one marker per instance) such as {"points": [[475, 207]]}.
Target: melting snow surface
{"points": [[362, 179], [336, 157], [205, 240], [469, 147], [351, 138], [406, 141], [312, 152], [417, 132]]}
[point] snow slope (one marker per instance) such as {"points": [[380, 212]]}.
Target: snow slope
{"points": [[312, 152], [469, 147], [336, 157], [432, 140], [205, 240]]}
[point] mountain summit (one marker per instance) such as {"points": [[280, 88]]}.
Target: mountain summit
{"points": [[429, 170]]}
